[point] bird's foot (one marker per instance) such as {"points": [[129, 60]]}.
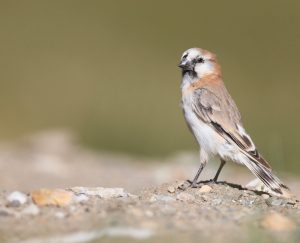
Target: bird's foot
{"points": [[193, 184], [212, 181], [189, 184]]}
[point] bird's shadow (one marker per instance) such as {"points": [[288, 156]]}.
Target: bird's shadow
{"points": [[232, 185]]}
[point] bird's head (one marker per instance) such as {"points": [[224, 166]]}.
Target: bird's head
{"points": [[198, 63]]}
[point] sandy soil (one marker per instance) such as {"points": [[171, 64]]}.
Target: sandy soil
{"points": [[153, 208]]}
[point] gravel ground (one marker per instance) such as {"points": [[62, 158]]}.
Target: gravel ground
{"points": [[148, 209], [214, 212]]}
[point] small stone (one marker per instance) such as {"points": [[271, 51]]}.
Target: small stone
{"points": [[274, 201], [81, 198], [205, 189], [101, 192], [277, 202], [265, 196], [185, 197], [32, 209], [16, 199], [56, 197], [171, 189], [278, 222], [14, 204], [180, 184]]}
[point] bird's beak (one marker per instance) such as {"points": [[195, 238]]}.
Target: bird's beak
{"points": [[185, 65]]}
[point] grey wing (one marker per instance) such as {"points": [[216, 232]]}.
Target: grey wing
{"points": [[219, 111]]}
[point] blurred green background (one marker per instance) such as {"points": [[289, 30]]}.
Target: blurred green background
{"points": [[108, 70]]}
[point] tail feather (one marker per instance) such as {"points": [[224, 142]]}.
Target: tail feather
{"points": [[266, 176]]}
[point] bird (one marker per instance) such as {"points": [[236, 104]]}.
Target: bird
{"points": [[215, 121]]}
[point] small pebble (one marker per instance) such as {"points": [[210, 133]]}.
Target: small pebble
{"points": [[101, 192], [205, 189], [274, 201], [265, 196], [81, 198], [277, 202], [171, 189], [14, 204], [32, 209], [16, 199], [180, 184], [56, 197], [185, 197]]}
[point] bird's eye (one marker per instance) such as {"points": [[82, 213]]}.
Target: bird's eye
{"points": [[185, 56], [200, 60]]}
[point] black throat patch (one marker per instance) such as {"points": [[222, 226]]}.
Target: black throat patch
{"points": [[191, 73]]}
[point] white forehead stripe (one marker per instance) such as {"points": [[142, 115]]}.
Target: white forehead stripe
{"points": [[192, 53]]}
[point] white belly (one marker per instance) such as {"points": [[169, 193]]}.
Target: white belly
{"points": [[209, 140], [207, 137]]}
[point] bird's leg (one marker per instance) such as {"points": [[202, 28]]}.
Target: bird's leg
{"points": [[195, 180], [203, 161], [223, 162]]}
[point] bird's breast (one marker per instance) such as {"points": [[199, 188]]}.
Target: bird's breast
{"points": [[207, 138]]}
